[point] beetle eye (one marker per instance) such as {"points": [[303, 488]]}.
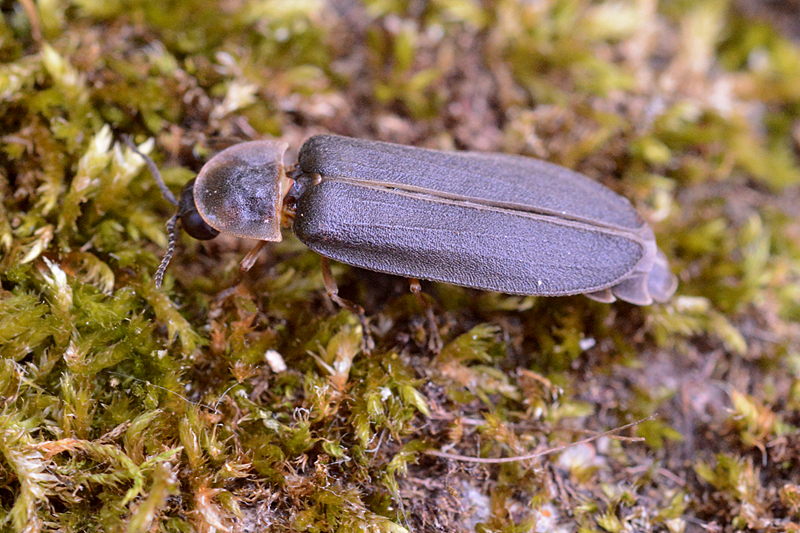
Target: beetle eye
{"points": [[192, 222], [195, 226]]}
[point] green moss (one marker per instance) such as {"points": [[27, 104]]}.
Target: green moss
{"points": [[130, 408]]}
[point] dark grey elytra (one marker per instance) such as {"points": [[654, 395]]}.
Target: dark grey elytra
{"points": [[496, 222]]}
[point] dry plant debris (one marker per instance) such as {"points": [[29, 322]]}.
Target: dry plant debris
{"points": [[228, 404]]}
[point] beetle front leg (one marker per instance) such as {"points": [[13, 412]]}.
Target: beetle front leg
{"points": [[435, 343], [252, 256], [333, 293]]}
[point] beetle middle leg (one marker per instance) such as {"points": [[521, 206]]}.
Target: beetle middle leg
{"points": [[333, 293], [435, 343]]}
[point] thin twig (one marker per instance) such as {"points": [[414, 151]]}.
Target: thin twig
{"points": [[486, 460], [184, 398]]}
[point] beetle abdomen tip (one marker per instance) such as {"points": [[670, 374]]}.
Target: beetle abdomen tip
{"points": [[654, 283], [661, 283]]}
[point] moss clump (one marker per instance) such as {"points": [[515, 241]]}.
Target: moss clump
{"points": [[244, 403]]}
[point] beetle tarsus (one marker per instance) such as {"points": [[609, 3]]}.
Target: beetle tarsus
{"points": [[435, 343], [367, 343]]}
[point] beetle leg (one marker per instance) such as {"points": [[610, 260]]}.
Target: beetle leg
{"points": [[333, 293], [249, 260], [435, 343]]}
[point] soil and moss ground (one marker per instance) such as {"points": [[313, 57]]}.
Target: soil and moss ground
{"points": [[223, 402]]}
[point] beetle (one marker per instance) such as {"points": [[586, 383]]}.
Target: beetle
{"points": [[488, 221]]}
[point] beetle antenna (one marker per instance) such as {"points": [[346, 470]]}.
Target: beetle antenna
{"points": [[162, 267], [151, 165]]}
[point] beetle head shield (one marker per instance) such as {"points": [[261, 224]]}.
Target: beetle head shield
{"points": [[240, 190]]}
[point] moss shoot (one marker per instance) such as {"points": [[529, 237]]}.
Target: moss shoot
{"points": [[242, 403]]}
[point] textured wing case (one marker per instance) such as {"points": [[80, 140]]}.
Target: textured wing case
{"points": [[490, 221]]}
